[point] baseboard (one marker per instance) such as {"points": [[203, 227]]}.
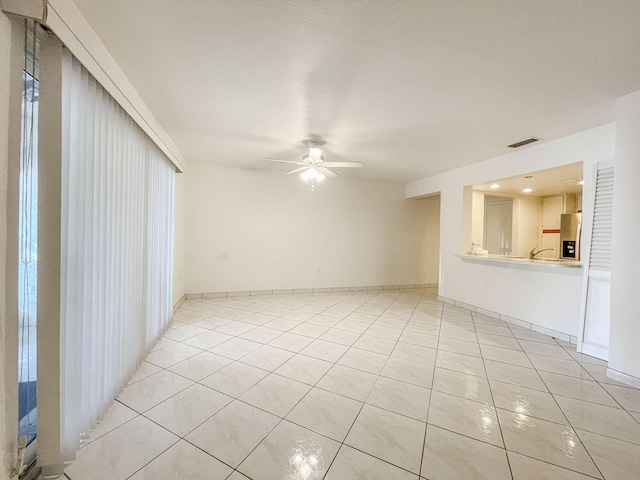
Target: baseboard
{"points": [[513, 321], [594, 351], [32, 473], [290, 291], [623, 378], [178, 303]]}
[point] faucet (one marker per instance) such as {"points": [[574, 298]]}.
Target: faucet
{"points": [[533, 253]]}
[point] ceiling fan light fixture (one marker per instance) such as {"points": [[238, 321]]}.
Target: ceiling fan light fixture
{"points": [[315, 153], [314, 167], [312, 173]]}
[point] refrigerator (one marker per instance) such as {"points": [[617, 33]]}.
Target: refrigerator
{"points": [[570, 229]]}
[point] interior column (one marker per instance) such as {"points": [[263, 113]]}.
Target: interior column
{"points": [[624, 347]]}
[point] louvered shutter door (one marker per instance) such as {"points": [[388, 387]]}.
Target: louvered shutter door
{"points": [[602, 221]]}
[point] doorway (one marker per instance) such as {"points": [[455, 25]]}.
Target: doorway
{"points": [[498, 225]]}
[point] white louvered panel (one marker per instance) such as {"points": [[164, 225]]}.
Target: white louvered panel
{"points": [[602, 221]]}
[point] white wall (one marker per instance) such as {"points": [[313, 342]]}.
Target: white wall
{"points": [[624, 354], [180, 238], [261, 230], [542, 296]]}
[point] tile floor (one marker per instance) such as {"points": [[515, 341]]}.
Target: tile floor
{"points": [[364, 385]]}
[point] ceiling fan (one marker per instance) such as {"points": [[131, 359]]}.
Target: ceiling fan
{"points": [[314, 167]]}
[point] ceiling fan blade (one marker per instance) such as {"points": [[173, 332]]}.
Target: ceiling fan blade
{"points": [[284, 161], [328, 173], [296, 170], [343, 164]]}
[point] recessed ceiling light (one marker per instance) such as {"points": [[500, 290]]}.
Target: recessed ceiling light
{"points": [[527, 190], [581, 182], [494, 186]]}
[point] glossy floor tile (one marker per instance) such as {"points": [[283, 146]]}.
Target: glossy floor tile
{"points": [[232, 433], [352, 464], [400, 397], [450, 456], [327, 413], [367, 385], [547, 441], [527, 468], [185, 461], [188, 409], [614, 458], [389, 436], [466, 417], [471, 387], [121, 452], [290, 451]]}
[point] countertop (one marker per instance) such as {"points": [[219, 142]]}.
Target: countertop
{"points": [[513, 260]]}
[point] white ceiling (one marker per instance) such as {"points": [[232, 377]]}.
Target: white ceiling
{"points": [[411, 88]]}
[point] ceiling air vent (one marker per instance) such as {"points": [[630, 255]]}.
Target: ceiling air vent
{"points": [[523, 142]]}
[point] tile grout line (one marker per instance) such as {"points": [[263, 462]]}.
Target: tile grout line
{"points": [[495, 408], [397, 299], [553, 396], [517, 339], [281, 419], [184, 437], [433, 377], [365, 403], [564, 414], [599, 384], [284, 418]]}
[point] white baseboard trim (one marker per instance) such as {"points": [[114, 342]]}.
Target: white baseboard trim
{"points": [[513, 321], [178, 303], [595, 351], [290, 291], [623, 377]]}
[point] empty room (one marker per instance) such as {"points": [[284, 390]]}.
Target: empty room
{"points": [[319, 239]]}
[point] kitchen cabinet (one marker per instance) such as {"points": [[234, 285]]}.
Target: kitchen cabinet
{"points": [[552, 208]]}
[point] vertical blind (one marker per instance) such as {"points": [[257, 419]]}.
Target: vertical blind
{"points": [[117, 246]]}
